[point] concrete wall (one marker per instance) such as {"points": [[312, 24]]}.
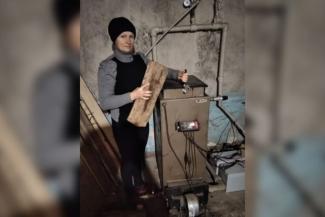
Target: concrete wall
{"points": [[196, 52]]}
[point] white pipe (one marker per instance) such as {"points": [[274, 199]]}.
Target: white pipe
{"points": [[192, 28], [189, 28]]}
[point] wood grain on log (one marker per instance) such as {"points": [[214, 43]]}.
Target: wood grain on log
{"points": [[155, 75]]}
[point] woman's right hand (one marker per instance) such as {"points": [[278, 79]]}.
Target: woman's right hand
{"points": [[141, 93]]}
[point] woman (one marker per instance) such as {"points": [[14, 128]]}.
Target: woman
{"points": [[119, 78]]}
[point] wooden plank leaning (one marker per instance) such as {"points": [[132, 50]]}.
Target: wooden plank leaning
{"points": [[23, 191]]}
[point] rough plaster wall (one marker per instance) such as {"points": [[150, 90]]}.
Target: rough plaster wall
{"points": [[263, 40], [298, 90], [147, 14], [302, 102]]}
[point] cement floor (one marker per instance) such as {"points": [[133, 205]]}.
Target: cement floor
{"points": [[221, 204]]}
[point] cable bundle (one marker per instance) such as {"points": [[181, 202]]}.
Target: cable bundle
{"points": [[190, 155]]}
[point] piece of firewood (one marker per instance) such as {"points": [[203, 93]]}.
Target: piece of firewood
{"points": [[155, 75]]}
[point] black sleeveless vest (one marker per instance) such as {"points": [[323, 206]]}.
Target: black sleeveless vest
{"points": [[129, 76]]}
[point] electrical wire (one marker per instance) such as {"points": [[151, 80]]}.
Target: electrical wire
{"points": [[221, 134], [234, 134], [196, 145], [185, 157], [190, 155], [227, 137], [171, 147], [195, 162], [211, 176], [231, 132]]}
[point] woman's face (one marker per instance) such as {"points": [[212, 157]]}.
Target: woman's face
{"points": [[125, 42]]}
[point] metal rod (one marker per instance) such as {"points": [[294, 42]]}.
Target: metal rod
{"points": [[172, 26]]}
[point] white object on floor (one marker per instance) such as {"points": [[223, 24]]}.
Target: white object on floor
{"points": [[234, 178]]}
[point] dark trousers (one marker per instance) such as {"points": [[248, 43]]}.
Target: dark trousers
{"points": [[131, 141]]}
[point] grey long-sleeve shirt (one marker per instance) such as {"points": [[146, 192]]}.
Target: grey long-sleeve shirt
{"points": [[108, 100]]}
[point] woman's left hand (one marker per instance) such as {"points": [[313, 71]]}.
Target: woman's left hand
{"points": [[183, 76]]}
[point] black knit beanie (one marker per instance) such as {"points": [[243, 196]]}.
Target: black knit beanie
{"points": [[119, 25], [65, 11]]}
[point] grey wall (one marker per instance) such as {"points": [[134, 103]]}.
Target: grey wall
{"points": [[194, 51]]}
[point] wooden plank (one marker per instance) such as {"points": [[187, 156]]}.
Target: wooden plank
{"points": [[99, 120], [99, 147], [96, 149], [23, 190], [156, 75]]}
